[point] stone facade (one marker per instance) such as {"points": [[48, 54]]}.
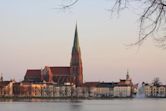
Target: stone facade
{"points": [[154, 91], [123, 91]]}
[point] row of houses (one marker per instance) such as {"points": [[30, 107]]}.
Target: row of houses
{"points": [[123, 88], [151, 90]]}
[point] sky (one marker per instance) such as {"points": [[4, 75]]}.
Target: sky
{"points": [[36, 33]]}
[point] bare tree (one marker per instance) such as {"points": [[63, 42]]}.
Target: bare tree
{"points": [[67, 5], [152, 20], [156, 81]]}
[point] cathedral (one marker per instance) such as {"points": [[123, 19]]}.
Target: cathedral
{"points": [[72, 74]]}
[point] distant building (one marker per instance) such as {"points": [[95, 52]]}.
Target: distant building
{"points": [[33, 75], [151, 90], [76, 61], [6, 88], [16, 89], [105, 89], [36, 89], [67, 81], [59, 75], [162, 91], [28, 89], [72, 74], [123, 90], [90, 89], [124, 87], [25, 89]]}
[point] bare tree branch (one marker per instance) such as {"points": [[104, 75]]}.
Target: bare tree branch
{"points": [[152, 20], [153, 17], [72, 3]]}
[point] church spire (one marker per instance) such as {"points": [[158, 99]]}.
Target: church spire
{"points": [[76, 61], [76, 46], [127, 75], [1, 78]]}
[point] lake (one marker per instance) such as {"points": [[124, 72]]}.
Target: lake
{"points": [[84, 105]]}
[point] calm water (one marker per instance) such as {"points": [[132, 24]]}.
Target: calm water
{"points": [[86, 105]]}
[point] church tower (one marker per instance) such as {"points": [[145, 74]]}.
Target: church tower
{"points": [[76, 61], [127, 75], [1, 78]]}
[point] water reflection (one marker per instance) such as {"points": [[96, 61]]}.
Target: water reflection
{"points": [[6, 100], [75, 105], [83, 105]]}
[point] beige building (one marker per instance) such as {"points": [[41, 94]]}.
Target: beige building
{"points": [[154, 91], [105, 89], [124, 87], [122, 91], [162, 91], [147, 90], [6, 88], [47, 90], [90, 89], [56, 91], [36, 89]]}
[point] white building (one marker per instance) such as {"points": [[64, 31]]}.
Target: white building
{"points": [[122, 91]]}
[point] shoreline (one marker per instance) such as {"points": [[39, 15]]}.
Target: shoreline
{"points": [[66, 98], [47, 99]]}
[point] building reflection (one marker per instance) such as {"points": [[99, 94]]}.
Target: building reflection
{"points": [[75, 105]]}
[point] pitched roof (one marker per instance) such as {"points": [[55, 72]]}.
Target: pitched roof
{"points": [[36, 73], [4, 83], [60, 70], [91, 84], [106, 84]]}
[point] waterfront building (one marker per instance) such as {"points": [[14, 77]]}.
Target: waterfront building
{"points": [[151, 90], [47, 90], [103, 92], [127, 81], [6, 88], [67, 81], [91, 89], [56, 91], [124, 87], [147, 89], [25, 89], [16, 89], [122, 91], [33, 75], [36, 89], [76, 61], [79, 92], [154, 91], [162, 91], [105, 89], [62, 91], [72, 74], [61, 75]]}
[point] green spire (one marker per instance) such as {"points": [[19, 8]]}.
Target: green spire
{"points": [[76, 40]]}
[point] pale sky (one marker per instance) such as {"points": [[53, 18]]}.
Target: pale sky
{"points": [[34, 34]]}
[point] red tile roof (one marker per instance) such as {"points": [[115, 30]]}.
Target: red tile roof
{"points": [[33, 73], [60, 71], [4, 83]]}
